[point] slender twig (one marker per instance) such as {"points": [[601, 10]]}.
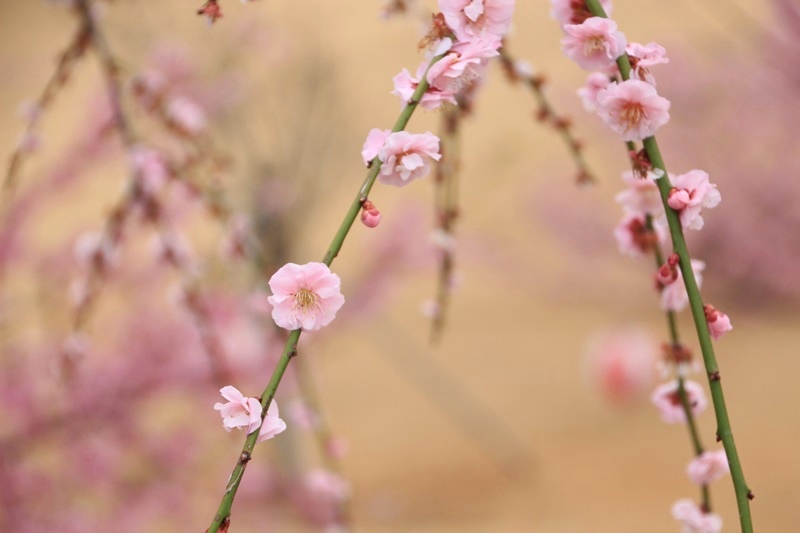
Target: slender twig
{"points": [[222, 517], [724, 431]]}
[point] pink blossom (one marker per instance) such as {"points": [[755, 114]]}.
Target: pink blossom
{"points": [[375, 140], [594, 44], [186, 115], [633, 109], [633, 238], [574, 11], [470, 18], [273, 424], [370, 216], [463, 64], [718, 323], [239, 412], [621, 364], [150, 169], [327, 485], [595, 82], [305, 296], [644, 56], [690, 193], [693, 519], [674, 296], [303, 415], [406, 157], [432, 98], [708, 467], [642, 194], [668, 402]]}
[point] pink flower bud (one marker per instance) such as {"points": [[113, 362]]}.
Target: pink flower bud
{"points": [[718, 323], [370, 216]]}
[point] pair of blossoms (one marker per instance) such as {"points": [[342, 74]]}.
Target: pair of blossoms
{"points": [[309, 296]]}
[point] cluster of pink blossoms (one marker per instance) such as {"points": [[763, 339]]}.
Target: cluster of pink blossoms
{"points": [[241, 412]]}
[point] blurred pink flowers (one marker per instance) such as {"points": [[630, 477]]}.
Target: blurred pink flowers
{"points": [[471, 18], [594, 44], [572, 12], [642, 194], [406, 157], [668, 401], [305, 296], [690, 193], [621, 364], [693, 519], [633, 109], [708, 467], [674, 296]]}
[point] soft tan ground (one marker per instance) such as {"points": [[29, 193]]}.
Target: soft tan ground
{"points": [[563, 460]]}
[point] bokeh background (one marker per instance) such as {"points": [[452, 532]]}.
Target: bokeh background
{"points": [[505, 424]]}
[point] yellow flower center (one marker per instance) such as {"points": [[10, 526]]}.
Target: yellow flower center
{"points": [[632, 115], [305, 300], [594, 45]]}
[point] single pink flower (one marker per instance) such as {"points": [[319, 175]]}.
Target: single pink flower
{"points": [[303, 416], [470, 18], [718, 323], [693, 519], [595, 82], [149, 168], [406, 157], [621, 364], [674, 296], [633, 238], [644, 56], [463, 65], [305, 296], [594, 44], [374, 142], [633, 109], [574, 11], [273, 424], [668, 402], [186, 115], [239, 412], [642, 194], [690, 193], [708, 467], [432, 98]]}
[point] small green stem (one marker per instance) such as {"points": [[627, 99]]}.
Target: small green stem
{"points": [[222, 518], [724, 432]]}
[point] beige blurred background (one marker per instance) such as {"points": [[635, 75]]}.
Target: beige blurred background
{"points": [[498, 428]]}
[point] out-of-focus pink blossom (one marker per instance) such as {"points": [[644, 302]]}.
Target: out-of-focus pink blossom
{"points": [[233, 244], [375, 140], [674, 296], [594, 44], [693, 519], [150, 169], [305, 296], [642, 194], [336, 447], [634, 239], [633, 109], [463, 64], [574, 11], [471, 18], [303, 415], [718, 323], [406, 157], [238, 412], [432, 98], [621, 364], [595, 82], [692, 192], [667, 274], [668, 401], [186, 115], [644, 56], [708, 467]]}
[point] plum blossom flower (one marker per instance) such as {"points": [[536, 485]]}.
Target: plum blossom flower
{"points": [[634, 239], [674, 296], [633, 109], [305, 296], [370, 215], [375, 140], [239, 412], [594, 44], [463, 64], [471, 18], [718, 323], [595, 82], [150, 169], [668, 402], [432, 98], [186, 115], [406, 157], [690, 193], [621, 362], [574, 11], [642, 194], [708, 467], [273, 424], [644, 56], [693, 519]]}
